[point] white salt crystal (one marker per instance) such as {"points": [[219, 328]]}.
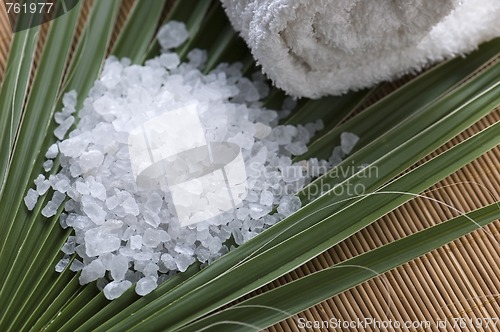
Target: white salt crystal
{"points": [[184, 250], [183, 262], [270, 219], [238, 237], [62, 185], [319, 125], [197, 57], [75, 170], [95, 213], [98, 191], [76, 265], [145, 285], [80, 250], [169, 261], [151, 218], [52, 151], [127, 234], [260, 83], [252, 196], [31, 198], [127, 252], [248, 235], [311, 167], [61, 265], [53, 179], [39, 179], [59, 117], [47, 165], [59, 197], [170, 60], [164, 236], [98, 241], [151, 238], [262, 130], [281, 135], [63, 128], [135, 242], [244, 141], [91, 159], [337, 156], [42, 185], [62, 220], [53, 205], [73, 146], [296, 148], [112, 202], [154, 203], [303, 135], [292, 173], [151, 269], [70, 203], [69, 99], [202, 255], [82, 188], [248, 92], [288, 205], [69, 247], [348, 141], [82, 222], [118, 267], [142, 256], [242, 213], [266, 198], [130, 206], [115, 289], [257, 211], [92, 271], [172, 34]]}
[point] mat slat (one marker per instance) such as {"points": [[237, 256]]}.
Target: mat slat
{"points": [[457, 280]]}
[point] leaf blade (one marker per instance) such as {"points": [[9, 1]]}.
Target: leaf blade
{"points": [[275, 305]]}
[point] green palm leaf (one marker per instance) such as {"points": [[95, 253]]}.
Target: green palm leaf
{"points": [[269, 308]]}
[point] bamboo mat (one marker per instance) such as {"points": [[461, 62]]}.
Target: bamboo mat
{"points": [[459, 280]]}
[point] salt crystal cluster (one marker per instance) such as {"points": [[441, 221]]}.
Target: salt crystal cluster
{"points": [[126, 235]]}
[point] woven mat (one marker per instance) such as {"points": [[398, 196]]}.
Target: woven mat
{"points": [[459, 280]]}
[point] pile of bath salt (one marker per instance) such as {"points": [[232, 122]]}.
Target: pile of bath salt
{"points": [[125, 234]]}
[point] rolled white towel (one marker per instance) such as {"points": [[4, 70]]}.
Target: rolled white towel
{"points": [[311, 48]]}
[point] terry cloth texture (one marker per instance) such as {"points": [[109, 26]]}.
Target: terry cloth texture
{"points": [[311, 48]]}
